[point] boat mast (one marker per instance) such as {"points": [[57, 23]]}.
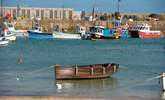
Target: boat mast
{"points": [[1, 9], [63, 17], [118, 6], [93, 12]]}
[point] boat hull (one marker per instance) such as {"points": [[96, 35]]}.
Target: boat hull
{"points": [[21, 33], [85, 71], [3, 42], [11, 37], [150, 34], [134, 34], [60, 35], [39, 35], [99, 37], [146, 34]]}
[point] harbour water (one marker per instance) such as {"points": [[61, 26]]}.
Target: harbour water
{"points": [[26, 67]]}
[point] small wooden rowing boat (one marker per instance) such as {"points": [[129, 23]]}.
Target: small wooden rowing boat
{"points": [[85, 71]]}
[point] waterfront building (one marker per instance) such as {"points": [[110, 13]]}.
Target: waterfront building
{"points": [[43, 13]]}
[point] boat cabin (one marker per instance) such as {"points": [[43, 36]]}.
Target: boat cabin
{"points": [[144, 27], [99, 30], [6, 28]]}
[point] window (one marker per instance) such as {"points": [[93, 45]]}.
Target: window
{"points": [[14, 13], [23, 12], [42, 14], [60, 14], [8, 32], [37, 13], [70, 14], [28, 13], [51, 14], [146, 28], [64, 14], [55, 14]]}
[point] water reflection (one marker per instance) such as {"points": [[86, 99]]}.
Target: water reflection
{"points": [[105, 83], [163, 95]]}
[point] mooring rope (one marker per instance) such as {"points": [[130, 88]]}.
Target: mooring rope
{"points": [[139, 82], [41, 69], [149, 79]]}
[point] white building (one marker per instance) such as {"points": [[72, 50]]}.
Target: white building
{"points": [[43, 13]]}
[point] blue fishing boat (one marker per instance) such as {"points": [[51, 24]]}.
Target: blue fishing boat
{"points": [[38, 33], [119, 30], [99, 32]]}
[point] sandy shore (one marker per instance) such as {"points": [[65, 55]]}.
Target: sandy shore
{"points": [[41, 98], [66, 98]]}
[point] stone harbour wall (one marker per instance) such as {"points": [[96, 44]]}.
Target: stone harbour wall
{"points": [[70, 25]]}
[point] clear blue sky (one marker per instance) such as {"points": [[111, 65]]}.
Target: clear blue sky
{"points": [[144, 6]]}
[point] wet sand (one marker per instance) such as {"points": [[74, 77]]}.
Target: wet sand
{"points": [[66, 98]]}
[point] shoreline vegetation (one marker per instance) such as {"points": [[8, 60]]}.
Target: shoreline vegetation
{"points": [[72, 98]]}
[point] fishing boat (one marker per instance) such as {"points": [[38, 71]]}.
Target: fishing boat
{"points": [[16, 32], [85, 71], [120, 28], [100, 32], [21, 33], [59, 33], [143, 31], [6, 30], [38, 33], [62, 35]]}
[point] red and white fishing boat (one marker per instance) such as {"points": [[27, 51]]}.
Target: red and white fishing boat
{"points": [[143, 31]]}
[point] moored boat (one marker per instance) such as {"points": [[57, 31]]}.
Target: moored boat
{"points": [[61, 35], [143, 31], [6, 30], [85, 71], [38, 33], [16, 32], [21, 33], [99, 32]]}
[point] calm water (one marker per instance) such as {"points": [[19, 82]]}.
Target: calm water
{"points": [[139, 59]]}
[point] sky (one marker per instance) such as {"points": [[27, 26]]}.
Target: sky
{"points": [[127, 6]]}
